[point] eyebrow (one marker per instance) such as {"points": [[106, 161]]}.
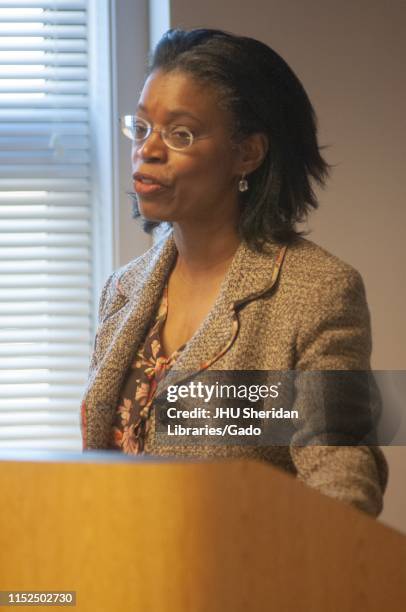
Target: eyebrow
{"points": [[177, 112]]}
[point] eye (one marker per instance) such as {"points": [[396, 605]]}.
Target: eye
{"points": [[140, 129], [180, 136]]}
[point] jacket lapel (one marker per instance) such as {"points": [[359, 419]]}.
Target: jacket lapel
{"points": [[250, 276]]}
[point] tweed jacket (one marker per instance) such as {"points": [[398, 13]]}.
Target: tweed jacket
{"points": [[296, 308]]}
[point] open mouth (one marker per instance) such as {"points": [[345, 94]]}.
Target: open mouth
{"points": [[145, 186]]}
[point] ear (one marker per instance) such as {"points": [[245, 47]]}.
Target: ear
{"points": [[253, 150]]}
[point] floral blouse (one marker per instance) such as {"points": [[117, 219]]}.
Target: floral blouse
{"points": [[131, 421]]}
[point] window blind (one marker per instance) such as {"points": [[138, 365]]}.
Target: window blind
{"points": [[45, 222]]}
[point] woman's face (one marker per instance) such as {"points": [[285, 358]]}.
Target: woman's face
{"points": [[199, 184]]}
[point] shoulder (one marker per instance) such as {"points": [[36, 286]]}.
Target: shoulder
{"points": [[308, 262], [137, 271], [141, 264], [319, 284], [120, 283]]}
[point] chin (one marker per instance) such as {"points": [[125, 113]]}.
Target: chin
{"points": [[152, 211], [154, 218]]}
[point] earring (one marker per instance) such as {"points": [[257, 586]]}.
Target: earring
{"points": [[243, 184]]}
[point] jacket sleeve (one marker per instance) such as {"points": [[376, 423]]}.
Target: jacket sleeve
{"points": [[106, 291], [337, 336]]}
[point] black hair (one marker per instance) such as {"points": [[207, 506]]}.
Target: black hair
{"points": [[264, 95]]}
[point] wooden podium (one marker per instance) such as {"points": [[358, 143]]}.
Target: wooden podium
{"points": [[169, 536]]}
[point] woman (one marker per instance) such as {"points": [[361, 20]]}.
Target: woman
{"points": [[224, 151]]}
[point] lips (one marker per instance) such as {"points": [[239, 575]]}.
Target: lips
{"points": [[148, 179], [147, 183]]}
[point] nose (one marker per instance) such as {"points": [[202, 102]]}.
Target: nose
{"points": [[153, 149]]}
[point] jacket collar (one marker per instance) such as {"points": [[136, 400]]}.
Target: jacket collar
{"points": [[249, 275]]}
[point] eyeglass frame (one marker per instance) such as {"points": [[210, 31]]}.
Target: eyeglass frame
{"points": [[162, 132]]}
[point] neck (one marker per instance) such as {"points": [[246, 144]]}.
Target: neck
{"points": [[204, 251]]}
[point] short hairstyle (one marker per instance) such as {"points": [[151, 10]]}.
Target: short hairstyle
{"points": [[263, 95]]}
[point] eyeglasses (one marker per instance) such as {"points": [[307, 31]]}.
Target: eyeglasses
{"points": [[178, 137]]}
